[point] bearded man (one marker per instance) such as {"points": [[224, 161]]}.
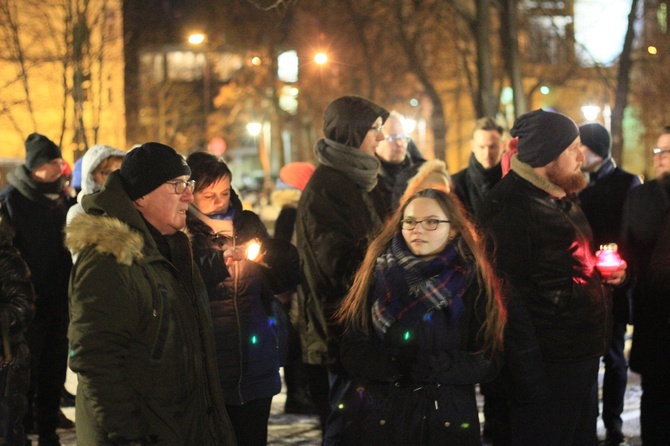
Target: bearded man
{"points": [[559, 304]]}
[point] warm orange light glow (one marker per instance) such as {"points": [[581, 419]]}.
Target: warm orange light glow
{"points": [[651, 49], [321, 58], [196, 38], [256, 61]]}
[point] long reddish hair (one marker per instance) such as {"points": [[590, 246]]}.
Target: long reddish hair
{"points": [[354, 312]]}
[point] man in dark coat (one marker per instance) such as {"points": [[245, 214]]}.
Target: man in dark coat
{"points": [[141, 336], [338, 210], [602, 203], [643, 214], [398, 163], [544, 249], [484, 170], [36, 206]]}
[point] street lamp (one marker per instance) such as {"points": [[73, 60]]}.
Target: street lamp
{"points": [[590, 112], [320, 58], [254, 128], [197, 39]]}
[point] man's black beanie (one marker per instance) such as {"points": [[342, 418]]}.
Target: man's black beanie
{"points": [[543, 136], [40, 150], [148, 166], [596, 137], [348, 119]]}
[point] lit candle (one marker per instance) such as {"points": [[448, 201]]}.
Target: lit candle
{"points": [[253, 250], [609, 260]]}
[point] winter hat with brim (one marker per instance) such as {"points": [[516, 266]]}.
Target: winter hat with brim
{"points": [[348, 119], [148, 166], [40, 150], [596, 137], [543, 136]]}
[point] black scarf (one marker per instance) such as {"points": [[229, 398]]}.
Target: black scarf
{"points": [[46, 193], [407, 287]]}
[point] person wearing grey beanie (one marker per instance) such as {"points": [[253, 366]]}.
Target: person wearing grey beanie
{"points": [[559, 305]]}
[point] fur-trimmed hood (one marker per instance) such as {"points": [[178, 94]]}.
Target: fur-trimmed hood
{"points": [[109, 236]]}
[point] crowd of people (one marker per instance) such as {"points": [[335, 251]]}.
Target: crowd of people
{"points": [[390, 291]]}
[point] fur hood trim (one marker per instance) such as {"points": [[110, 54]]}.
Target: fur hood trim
{"points": [[526, 172], [109, 236]]}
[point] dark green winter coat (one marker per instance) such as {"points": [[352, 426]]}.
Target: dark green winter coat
{"points": [[140, 333]]}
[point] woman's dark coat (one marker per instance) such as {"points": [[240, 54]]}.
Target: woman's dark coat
{"points": [[419, 392], [241, 303]]}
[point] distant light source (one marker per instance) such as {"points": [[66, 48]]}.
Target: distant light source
{"points": [[413, 102], [590, 112], [254, 128], [256, 61], [410, 125], [545, 90], [651, 49], [196, 38], [321, 58]]}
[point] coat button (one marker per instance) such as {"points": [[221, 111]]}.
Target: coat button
{"points": [[397, 384], [447, 424], [382, 422]]}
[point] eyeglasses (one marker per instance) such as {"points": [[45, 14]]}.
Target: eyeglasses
{"points": [[180, 186], [378, 129], [399, 138], [429, 224], [663, 153]]}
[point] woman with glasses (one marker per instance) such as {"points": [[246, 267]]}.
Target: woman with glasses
{"points": [[424, 323], [241, 292]]}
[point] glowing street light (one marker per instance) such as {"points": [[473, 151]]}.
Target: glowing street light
{"points": [[254, 128], [196, 38], [320, 58], [590, 112]]}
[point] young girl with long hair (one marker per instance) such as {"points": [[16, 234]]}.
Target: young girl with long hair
{"points": [[423, 323]]}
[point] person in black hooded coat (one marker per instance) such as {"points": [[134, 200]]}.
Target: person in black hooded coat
{"points": [[17, 306], [338, 210]]}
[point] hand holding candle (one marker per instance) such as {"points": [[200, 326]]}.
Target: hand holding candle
{"points": [[610, 264]]}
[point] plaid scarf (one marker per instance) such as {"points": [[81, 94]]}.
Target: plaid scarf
{"points": [[405, 287]]}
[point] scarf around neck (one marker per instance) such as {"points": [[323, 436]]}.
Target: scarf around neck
{"points": [[358, 166], [406, 287], [34, 190]]}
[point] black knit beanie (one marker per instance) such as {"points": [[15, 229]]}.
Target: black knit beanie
{"points": [[148, 166], [348, 119], [596, 137], [40, 150], [543, 136]]}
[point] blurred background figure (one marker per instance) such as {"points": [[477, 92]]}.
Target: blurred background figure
{"points": [[298, 396], [432, 174], [602, 203], [17, 306], [424, 323], [484, 170], [35, 204], [398, 164], [643, 215], [249, 327], [97, 163]]}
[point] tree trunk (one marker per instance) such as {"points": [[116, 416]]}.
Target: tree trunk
{"points": [[623, 82], [486, 105], [510, 44]]}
